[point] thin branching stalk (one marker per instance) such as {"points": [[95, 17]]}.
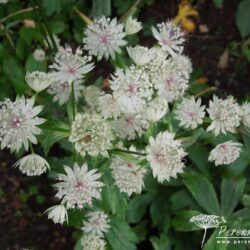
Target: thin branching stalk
{"points": [[130, 11], [85, 18], [206, 91], [129, 152]]}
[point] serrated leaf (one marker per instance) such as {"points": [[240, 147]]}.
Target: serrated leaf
{"points": [[231, 191], [202, 191], [121, 236], [162, 243]]}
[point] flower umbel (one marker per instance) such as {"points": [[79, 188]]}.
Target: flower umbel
{"points": [[165, 156], [18, 123], [92, 242], [225, 153], [79, 186], [69, 66], [97, 224], [104, 37], [32, 164], [91, 134]]}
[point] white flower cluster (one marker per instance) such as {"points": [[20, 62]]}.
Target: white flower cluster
{"points": [[79, 186], [128, 176]]}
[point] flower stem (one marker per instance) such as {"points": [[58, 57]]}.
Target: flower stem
{"points": [[129, 152], [31, 148], [204, 237], [73, 100], [85, 18], [203, 92]]}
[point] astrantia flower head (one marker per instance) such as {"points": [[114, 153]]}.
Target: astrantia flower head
{"points": [[104, 37], [91, 134], [225, 115], [79, 186], [39, 55], [156, 109], [108, 106], [69, 66], [246, 114], [170, 37], [92, 242], [131, 89], [58, 214], [183, 64], [190, 113], [91, 95], [128, 126], [18, 123], [128, 176], [32, 165], [62, 91], [140, 55], [225, 153], [165, 156], [132, 26], [97, 223], [38, 80], [171, 84]]}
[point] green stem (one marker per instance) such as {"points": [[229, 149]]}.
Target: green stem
{"points": [[129, 152], [31, 148]]}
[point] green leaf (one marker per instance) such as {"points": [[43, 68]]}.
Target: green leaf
{"points": [[243, 18], [246, 200], [199, 155], [180, 200], [33, 65], [52, 7], [231, 191], [121, 236], [182, 221], [218, 3], [51, 138], [112, 200], [101, 8], [202, 191], [162, 243], [159, 211], [212, 243], [137, 207]]}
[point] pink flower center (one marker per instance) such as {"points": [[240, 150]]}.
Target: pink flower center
{"points": [[169, 81], [71, 70], [131, 88], [15, 122], [129, 120], [191, 114], [79, 185], [166, 41], [104, 39], [223, 146], [130, 165]]}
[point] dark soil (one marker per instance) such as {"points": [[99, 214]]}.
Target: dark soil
{"points": [[23, 224]]}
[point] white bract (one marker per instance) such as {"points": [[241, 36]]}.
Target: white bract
{"points": [[69, 66], [18, 123], [128, 126], [131, 89], [104, 37], [190, 113], [58, 214], [225, 153], [96, 224], [128, 176], [38, 80], [225, 115], [39, 55], [108, 106], [32, 165], [132, 26], [62, 91], [91, 134], [79, 186], [91, 95], [140, 55], [156, 109], [170, 37], [165, 155]]}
